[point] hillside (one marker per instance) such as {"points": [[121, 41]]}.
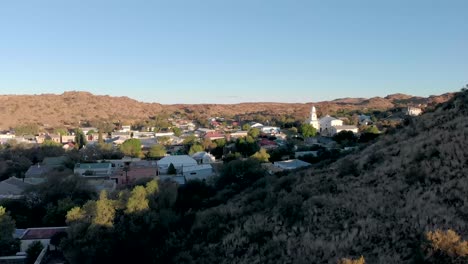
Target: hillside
{"points": [[71, 108], [378, 203]]}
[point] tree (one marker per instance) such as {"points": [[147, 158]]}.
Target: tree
{"points": [[246, 127], [254, 132], [372, 130], [157, 151], [51, 144], [177, 131], [164, 140], [345, 137], [61, 131], [308, 130], [8, 245], [131, 147], [261, 155], [33, 251], [196, 148], [80, 139], [171, 170]]}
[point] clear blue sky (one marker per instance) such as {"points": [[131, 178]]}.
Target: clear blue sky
{"points": [[230, 51]]}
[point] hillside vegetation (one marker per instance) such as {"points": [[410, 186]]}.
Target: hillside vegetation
{"points": [[390, 203], [71, 108]]}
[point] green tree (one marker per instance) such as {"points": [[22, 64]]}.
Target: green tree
{"points": [[164, 140], [80, 139], [246, 127], [131, 147], [261, 155], [171, 170], [254, 132], [138, 201], [51, 144], [33, 251], [61, 131], [157, 151], [177, 131], [372, 130], [28, 129], [8, 245], [308, 130], [196, 148]]}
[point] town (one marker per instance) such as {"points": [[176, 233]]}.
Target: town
{"points": [[115, 157]]}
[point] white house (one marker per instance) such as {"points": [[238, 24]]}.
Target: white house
{"points": [[413, 111], [326, 124], [338, 129], [178, 161], [291, 164], [203, 157], [254, 124], [125, 129], [270, 130], [198, 172]]}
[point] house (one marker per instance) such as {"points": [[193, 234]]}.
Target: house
{"points": [[198, 172], [291, 164], [125, 128], [37, 171], [178, 161], [338, 129], [173, 178], [239, 134], [93, 170], [326, 124], [86, 130], [255, 124], [133, 171], [41, 234], [54, 137], [364, 120], [412, 111], [270, 130], [13, 188], [203, 157], [214, 135], [299, 154], [268, 144], [7, 136], [67, 139], [55, 162]]}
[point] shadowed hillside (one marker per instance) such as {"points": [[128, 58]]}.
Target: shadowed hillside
{"points": [[379, 203], [71, 108]]}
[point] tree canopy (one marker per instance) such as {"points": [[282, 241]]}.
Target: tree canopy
{"points": [[131, 147]]}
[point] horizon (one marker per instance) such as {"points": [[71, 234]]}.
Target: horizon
{"points": [[248, 102], [231, 52]]}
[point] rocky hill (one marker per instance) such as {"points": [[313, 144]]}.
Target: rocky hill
{"points": [[379, 203], [72, 107]]}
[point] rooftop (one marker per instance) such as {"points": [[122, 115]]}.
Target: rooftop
{"points": [[42, 232], [91, 166]]}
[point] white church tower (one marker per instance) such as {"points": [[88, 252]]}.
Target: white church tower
{"points": [[313, 119]]}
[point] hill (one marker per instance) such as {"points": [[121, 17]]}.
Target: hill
{"points": [[71, 108], [378, 203]]}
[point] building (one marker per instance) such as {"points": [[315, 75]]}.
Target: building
{"points": [[93, 170], [326, 124], [337, 129], [291, 164], [179, 162], [198, 172], [203, 157], [13, 188], [413, 111], [313, 121], [37, 171], [42, 234], [270, 130], [131, 172], [364, 120]]}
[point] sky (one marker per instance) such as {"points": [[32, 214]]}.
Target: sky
{"points": [[222, 51]]}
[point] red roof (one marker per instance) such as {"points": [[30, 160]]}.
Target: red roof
{"points": [[42, 233], [265, 142]]}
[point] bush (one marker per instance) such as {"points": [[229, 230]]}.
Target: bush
{"points": [[33, 251]]}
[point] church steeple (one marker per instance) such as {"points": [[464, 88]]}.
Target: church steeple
{"points": [[313, 118]]}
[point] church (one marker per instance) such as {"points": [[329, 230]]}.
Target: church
{"points": [[327, 125]]}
